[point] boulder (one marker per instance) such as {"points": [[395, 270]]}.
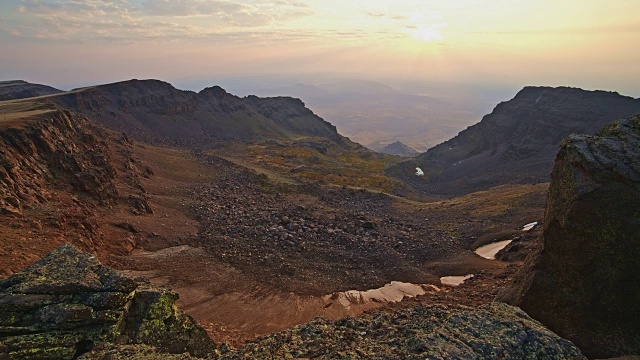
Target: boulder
{"points": [[582, 281], [65, 304]]}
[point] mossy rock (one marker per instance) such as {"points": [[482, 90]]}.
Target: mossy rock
{"points": [[67, 303]]}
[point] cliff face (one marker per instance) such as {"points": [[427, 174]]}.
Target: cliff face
{"points": [[60, 146], [156, 112], [517, 142], [65, 304], [59, 173], [583, 280]]}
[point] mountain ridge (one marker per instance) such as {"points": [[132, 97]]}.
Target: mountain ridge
{"points": [[517, 141], [21, 89], [149, 110]]}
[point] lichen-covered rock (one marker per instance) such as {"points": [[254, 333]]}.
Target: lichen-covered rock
{"points": [[582, 282], [131, 352], [494, 331], [66, 303]]}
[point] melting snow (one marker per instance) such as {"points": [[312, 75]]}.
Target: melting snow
{"points": [[392, 292], [454, 280], [489, 251]]}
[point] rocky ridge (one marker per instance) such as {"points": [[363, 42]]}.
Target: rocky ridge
{"points": [[517, 142], [61, 145], [155, 112], [19, 89], [65, 304], [582, 279]]}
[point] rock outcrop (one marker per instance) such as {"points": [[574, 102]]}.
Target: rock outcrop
{"points": [[517, 142], [494, 331], [60, 146], [582, 282], [65, 304]]}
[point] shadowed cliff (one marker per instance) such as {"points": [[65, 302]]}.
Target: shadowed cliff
{"points": [[582, 281]]}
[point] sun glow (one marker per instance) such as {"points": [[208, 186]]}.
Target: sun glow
{"points": [[425, 32]]}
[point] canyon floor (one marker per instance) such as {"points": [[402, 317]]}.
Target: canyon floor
{"points": [[251, 251]]}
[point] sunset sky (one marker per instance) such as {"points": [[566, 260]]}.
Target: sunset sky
{"points": [[594, 44]]}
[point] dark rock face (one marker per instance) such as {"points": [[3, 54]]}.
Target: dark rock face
{"points": [[156, 112], [66, 303], [59, 146], [398, 148], [19, 89], [59, 150], [583, 280], [495, 331], [517, 142]]}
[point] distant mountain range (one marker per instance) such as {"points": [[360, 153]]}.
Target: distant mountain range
{"points": [[398, 148], [374, 114], [517, 142]]}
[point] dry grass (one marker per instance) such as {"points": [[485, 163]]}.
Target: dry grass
{"points": [[13, 110], [494, 202], [485, 216], [175, 165], [335, 166]]}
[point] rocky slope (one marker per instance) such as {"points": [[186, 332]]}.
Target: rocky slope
{"points": [[398, 148], [517, 142], [19, 89], [155, 112], [582, 281], [65, 304], [312, 239]]}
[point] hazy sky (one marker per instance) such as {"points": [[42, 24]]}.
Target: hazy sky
{"points": [[593, 44]]}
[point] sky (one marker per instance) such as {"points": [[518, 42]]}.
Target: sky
{"points": [[593, 44]]}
